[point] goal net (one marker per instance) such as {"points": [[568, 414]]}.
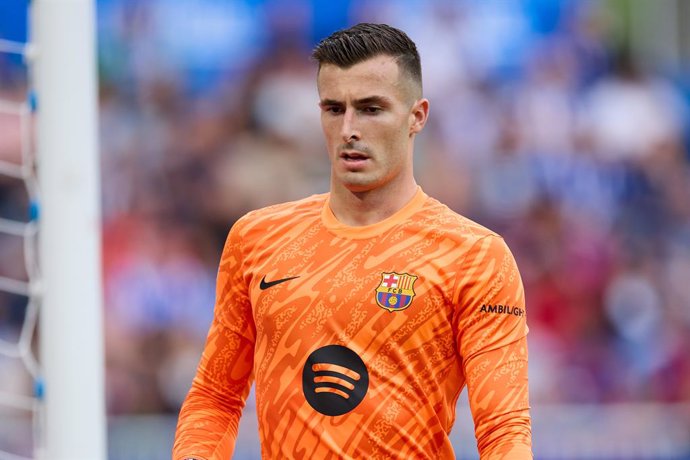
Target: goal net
{"points": [[52, 403], [19, 278]]}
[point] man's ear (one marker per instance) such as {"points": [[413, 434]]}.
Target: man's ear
{"points": [[418, 115]]}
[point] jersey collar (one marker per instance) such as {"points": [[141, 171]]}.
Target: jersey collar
{"points": [[369, 231]]}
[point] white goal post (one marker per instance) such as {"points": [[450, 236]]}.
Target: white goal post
{"points": [[71, 329]]}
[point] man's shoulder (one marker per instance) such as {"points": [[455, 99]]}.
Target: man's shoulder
{"points": [[452, 223], [283, 213]]}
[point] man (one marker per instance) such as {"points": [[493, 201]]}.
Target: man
{"points": [[362, 313]]}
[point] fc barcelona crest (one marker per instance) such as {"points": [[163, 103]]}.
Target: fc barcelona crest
{"points": [[396, 291]]}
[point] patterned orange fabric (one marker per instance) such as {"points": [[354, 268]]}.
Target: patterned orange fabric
{"points": [[360, 339]]}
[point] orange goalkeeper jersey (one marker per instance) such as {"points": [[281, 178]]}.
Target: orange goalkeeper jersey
{"points": [[360, 339]]}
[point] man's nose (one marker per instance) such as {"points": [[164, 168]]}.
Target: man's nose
{"points": [[350, 127]]}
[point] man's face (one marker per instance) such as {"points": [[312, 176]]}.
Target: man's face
{"points": [[369, 116]]}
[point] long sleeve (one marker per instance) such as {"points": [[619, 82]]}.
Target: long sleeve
{"points": [[491, 337], [209, 417]]}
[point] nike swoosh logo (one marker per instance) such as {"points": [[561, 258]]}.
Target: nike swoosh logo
{"points": [[267, 284]]}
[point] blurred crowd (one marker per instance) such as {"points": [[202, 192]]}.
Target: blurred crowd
{"points": [[543, 127]]}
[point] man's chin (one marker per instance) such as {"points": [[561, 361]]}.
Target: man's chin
{"points": [[349, 181], [360, 186]]}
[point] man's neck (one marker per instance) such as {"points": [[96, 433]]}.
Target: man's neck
{"points": [[358, 209]]}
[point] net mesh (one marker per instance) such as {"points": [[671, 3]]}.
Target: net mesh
{"points": [[19, 406]]}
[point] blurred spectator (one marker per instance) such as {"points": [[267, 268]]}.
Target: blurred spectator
{"points": [[629, 113]]}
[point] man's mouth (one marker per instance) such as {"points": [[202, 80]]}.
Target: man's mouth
{"points": [[353, 156]]}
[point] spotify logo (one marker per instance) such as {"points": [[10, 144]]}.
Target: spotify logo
{"points": [[334, 380]]}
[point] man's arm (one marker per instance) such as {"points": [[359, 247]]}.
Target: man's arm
{"points": [[491, 337], [209, 418]]}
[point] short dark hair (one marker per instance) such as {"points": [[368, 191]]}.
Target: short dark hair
{"points": [[348, 47]]}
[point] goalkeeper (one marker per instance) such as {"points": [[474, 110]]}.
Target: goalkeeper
{"points": [[362, 313]]}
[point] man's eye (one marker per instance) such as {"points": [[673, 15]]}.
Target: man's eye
{"points": [[333, 109], [371, 109]]}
